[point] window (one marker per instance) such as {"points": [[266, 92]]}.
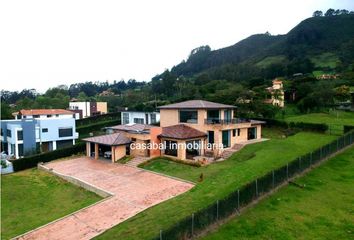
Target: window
{"points": [[234, 132], [2, 133], [49, 116], [125, 118], [133, 139], [153, 118], [36, 116], [139, 120], [20, 150], [227, 115], [238, 132], [171, 148], [65, 132], [44, 130], [64, 143], [19, 135], [8, 132], [57, 115], [213, 115], [190, 116]]}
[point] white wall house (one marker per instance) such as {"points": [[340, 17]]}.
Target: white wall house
{"points": [[140, 117], [88, 109], [34, 130]]}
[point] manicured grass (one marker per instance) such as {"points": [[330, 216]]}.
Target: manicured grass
{"points": [[324, 209], [125, 159], [334, 119], [219, 180], [32, 198]]}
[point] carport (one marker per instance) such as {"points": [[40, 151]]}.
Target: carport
{"points": [[114, 145]]}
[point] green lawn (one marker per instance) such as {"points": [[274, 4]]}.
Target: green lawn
{"points": [[325, 60], [219, 180], [335, 119], [32, 198], [324, 209], [266, 62]]}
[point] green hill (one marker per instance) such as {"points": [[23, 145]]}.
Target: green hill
{"points": [[317, 43]]}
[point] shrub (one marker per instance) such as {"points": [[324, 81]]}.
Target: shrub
{"points": [[32, 161], [315, 127], [84, 130], [98, 118]]}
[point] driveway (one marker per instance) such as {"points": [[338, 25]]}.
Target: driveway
{"points": [[133, 189]]}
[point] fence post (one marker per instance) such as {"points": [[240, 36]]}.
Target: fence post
{"points": [[192, 224], [238, 200], [217, 210], [160, 234], [273, 182], [287, 171], [256, 187]]}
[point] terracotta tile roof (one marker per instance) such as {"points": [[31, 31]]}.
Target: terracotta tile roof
{"points": [[197, 104], [110, 139], [26, 112], [131, 127], [181, 131]]}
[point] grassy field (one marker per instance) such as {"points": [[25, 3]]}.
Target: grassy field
{"points": [[335, 119], [219, 180], [324, 209], [271, 60], [325, 60], [32, 198]]}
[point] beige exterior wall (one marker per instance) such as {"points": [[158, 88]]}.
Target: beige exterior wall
{"points": [[102, 107], [139, 151], [181, 152], [118, 152]]}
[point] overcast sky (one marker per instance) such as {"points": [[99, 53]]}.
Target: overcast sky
{"points": [[47, 43]]}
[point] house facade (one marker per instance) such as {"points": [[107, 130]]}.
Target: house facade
{"points": [[38, 130], [188, 130], [88, 109], [129, 117], [276, 94]]}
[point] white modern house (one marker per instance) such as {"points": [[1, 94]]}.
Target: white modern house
{"points": [[88, 109], [140, 117], [38, 130]]}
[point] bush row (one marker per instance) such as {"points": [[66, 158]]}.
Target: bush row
{"points": [[32, 161], [348, 128], [316, 127], [98, 118], [84, 130]]}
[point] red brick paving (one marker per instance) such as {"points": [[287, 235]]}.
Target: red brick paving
{"points": [[134, 190]]}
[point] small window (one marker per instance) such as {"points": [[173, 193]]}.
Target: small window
{"points": [[36, 116], [234, 132], [153, 118], [125, 118], [238, 132], [133, 139], [49, 116], [57, 115], [8, 132], [20, 135], [65, 132], [44, 130]]}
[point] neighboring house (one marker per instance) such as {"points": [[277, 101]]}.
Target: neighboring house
{"points": [[188, 130], [38, 130], [276, 93], [88, 109], [140, 117]]}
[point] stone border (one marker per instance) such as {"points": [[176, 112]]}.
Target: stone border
{"points": [[99, 191]]}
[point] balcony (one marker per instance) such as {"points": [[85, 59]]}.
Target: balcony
{"points": [[225, 121]]}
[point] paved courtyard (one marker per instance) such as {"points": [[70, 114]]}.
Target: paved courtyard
{"points": [[133, 189]]}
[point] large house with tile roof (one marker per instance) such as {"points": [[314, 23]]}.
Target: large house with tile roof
{"points": [[188, 130]]}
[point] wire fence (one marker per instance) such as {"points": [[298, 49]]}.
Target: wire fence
{"points": [[196, 222]]}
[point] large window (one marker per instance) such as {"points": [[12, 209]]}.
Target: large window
{"points": [[171, 148], [64, 144], [139, 120], [153, 118], [8, 132], [213, 114], [125, 119], [65, 132], [188, 116], [19, 135]]}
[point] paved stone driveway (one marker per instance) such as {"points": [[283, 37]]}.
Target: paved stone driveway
{"points": [[134, 190]]}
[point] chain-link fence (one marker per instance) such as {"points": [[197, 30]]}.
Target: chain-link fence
{"points": [[223, 208]]}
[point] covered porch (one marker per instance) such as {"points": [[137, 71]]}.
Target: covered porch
{"points": [[112, 146], [183, 142]]}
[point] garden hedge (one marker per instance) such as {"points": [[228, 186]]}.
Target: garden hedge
{"points": [[84, 130], [98, 118], [32, 161], [315, 127]]}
